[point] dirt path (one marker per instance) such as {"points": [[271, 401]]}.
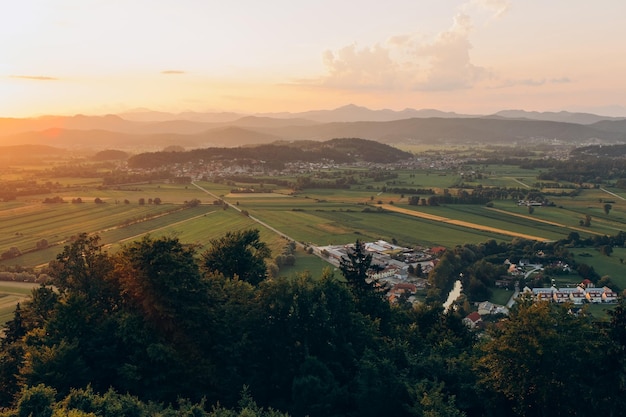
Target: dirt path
{"points": [[461, 223], [519, 182], [613, 194]]}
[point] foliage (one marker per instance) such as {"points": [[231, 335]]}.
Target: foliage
{"points": [[180, 334], [238, 254], [536, 362]]}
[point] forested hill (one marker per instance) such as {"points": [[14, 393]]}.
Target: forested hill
{"points": [[338, 150]]}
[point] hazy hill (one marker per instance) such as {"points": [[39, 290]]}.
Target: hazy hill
{"points": [[19, 154], [353, 113], [407, 126], [562, 116], [146, 115], [110, 155], [455, 130], [616, 126], [102, 139]]}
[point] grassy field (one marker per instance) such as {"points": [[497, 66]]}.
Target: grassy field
{"points": [[613, 265], [318, 216], [500, 296]]}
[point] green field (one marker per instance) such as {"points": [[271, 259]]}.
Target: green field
{"points": [[12, 293], [319, 216], [613, 265], [312, 216], [316, 216]]}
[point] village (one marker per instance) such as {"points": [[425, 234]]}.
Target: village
{"points": [[399, 278]]}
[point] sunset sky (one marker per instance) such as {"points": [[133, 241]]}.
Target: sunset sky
{"points": [[473, 56]]}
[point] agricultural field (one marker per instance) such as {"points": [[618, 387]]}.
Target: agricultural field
{"points": [[367, 211], [316, 216], [12, 293]]}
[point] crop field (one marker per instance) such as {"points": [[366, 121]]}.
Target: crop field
{"points": [[24, 226], [201, 228], [318, 216], [168, 193], [477, 217], [426, 179]]}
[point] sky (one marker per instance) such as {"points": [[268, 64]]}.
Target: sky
{"points": [[67, 57]]}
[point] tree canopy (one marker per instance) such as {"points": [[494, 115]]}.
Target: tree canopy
{"points": [[160, 329]]}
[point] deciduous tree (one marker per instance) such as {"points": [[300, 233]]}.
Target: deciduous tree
{"points": [[240, 254]]}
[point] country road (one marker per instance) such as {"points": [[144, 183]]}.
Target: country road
{"points": [[261, 222]]}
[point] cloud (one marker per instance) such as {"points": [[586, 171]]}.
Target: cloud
{"points": [[408, 62], [34, 77], [530, 82], [450, 67], [172, 72], [496, 7], [370, 67]]}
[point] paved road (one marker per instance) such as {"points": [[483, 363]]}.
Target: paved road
{"points": [[511, 301]]}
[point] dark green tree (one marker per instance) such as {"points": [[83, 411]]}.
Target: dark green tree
{"points": [[357, 267], [238, 254], [167, 326], [36, 401]]}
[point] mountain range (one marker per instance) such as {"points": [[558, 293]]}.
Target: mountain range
{"points": [[146, 130]]}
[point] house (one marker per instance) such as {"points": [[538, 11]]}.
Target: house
{"points": [[404, 287], [388, 272], [577, 296], [594, 295], [543, 294], [501, 310], [472, 320], [560, 297], [438, 250], [609, 296], [486, 308]]}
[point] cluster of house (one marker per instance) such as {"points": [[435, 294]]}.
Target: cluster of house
{"points": [[395, 262], [585, 292], [486, 308]]}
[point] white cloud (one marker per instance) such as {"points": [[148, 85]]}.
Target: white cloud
{"points": [[496, 7], [450, 67], [409, 62], [365, 68]]}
